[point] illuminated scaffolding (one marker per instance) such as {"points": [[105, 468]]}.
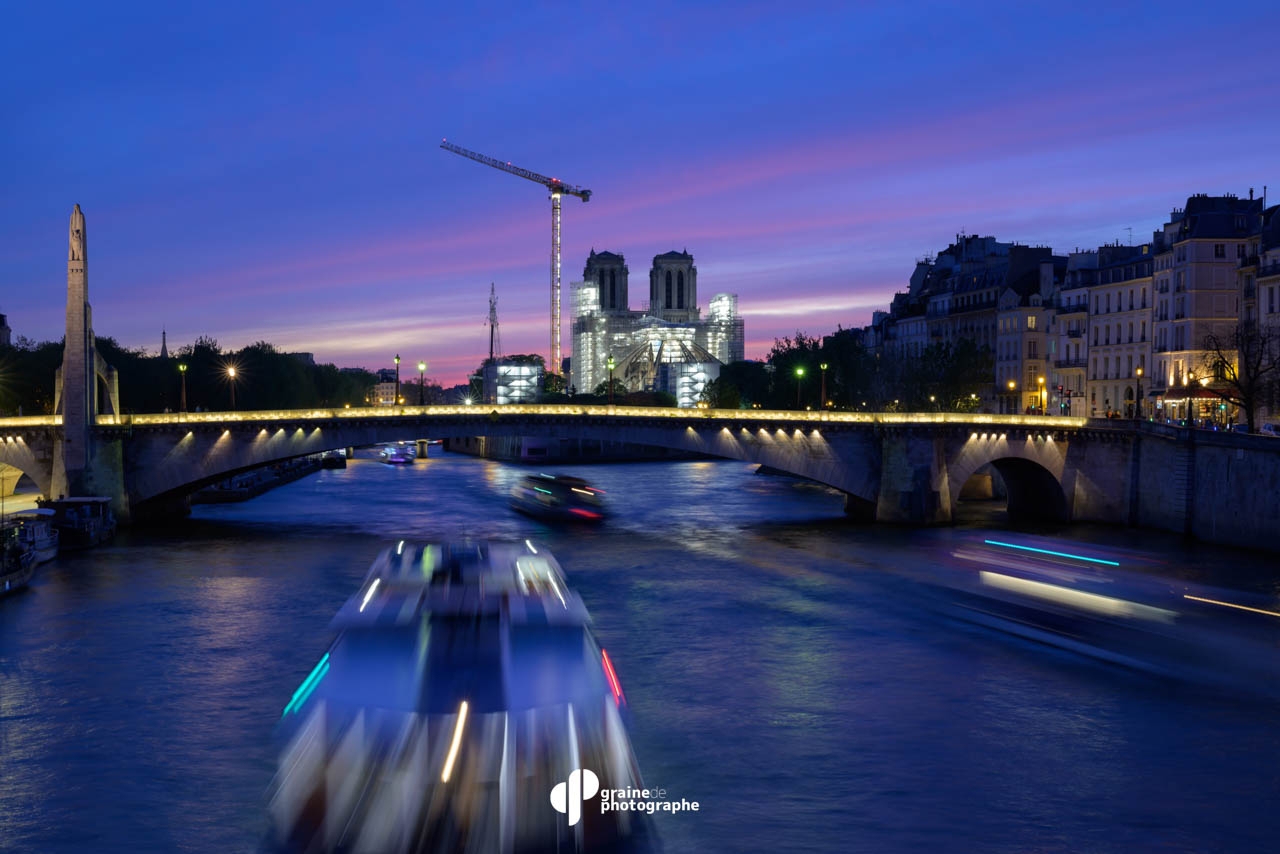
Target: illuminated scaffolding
{"points": [[651, 354]]}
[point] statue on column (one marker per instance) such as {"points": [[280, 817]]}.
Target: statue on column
{"points": [[75, 251]]}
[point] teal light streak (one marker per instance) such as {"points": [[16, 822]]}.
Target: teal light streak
{"points": [[308, 685], [1055, 554], [540, 489]]}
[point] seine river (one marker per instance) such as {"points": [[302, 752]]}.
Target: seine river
{"points": [[779, 667]]}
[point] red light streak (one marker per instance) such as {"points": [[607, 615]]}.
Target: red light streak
{"points": [[614, 684], [585, 514]]}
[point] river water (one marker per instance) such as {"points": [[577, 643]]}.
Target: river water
{"points": [[778, 670]]}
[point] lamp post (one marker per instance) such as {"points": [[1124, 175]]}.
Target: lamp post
{"points": [[799, 378], [933, 401], [231, 376], [396, 397], [823, 399], [611, 365], [1043, 394], [1138, 402], [182, 372], [1013, 400], [1190, 382], [422, 382]]}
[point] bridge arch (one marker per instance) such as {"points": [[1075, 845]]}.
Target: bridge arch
{"points": [[1031, 467], [18, 458]]}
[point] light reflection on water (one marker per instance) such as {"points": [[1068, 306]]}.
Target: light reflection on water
{"points": [[779, 668]]}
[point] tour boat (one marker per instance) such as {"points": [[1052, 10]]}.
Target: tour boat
{"points": [[558, 498], [464, 688], [396, 455], [82, 522]]}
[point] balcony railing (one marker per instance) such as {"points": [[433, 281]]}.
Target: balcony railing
{"points": [[1070, 363]]}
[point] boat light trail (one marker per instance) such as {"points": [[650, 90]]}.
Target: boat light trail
{"points": [[1230, 605], [369, 595], [308, 685], [612, 676], [457, 740], [1048, 552]]}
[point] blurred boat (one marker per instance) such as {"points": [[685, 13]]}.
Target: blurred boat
{"points": [[36, 531], [396, 455], [1089, 605], [82, 522], [463, 685], [558, 498], [333, 460]]}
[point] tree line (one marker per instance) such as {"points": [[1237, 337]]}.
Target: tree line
{"points": [[265, 378], [839, 372]]}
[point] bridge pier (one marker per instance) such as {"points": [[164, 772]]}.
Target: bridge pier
{"points": [[914, 485], [422, 449]]}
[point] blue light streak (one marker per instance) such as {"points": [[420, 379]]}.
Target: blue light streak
{"points": [[1055, 554], [308, 685]]}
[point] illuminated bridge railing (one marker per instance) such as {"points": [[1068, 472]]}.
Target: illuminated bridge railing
{"points": [[618, 413]]}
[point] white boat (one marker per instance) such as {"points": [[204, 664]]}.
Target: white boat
{"points": [[397, 455], [464, 689], [37, 533]]}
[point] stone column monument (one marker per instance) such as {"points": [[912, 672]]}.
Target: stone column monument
{"points": [[79, 466]]}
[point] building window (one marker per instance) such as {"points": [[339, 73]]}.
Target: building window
{"points": [[680, 289], [1219, 250], [1031, 321], [667, 304], [1131, 332], [1108, 303], [1031, 350]]}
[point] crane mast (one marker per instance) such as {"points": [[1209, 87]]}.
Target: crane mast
{"points": [[556, 188]]}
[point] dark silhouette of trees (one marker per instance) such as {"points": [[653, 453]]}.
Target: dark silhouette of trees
{"points": [[1245, 367]]}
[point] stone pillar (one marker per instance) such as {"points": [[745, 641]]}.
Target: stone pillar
{"points": [[76, 395], [422, 449], [914, 487]]}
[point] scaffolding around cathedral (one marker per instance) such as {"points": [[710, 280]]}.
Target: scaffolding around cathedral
{"points": [[652, 353]]}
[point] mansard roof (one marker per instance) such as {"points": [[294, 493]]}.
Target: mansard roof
{"points": [[1225, 217]]}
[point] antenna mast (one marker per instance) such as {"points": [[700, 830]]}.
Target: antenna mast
{"points": [[495, 343]]}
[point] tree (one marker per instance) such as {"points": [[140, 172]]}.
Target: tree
{"points": [[1245, 366], [718, 394]]}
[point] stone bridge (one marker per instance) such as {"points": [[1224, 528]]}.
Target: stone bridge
{"points": [[891, 467]]}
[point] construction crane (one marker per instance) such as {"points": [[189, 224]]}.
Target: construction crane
{"points": [[557, 188]]}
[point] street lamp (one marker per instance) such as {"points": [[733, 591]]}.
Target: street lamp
{"points": [[611, 364], [422, 382], [799, 378], [825, 403], [1013, 401], [1043, 394], [396, 396], [933, 401], [1190, 382], [1138, 408], [182, 372], [231, 375]]}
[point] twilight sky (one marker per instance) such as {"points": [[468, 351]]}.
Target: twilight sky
{"points": [[275, 175]]}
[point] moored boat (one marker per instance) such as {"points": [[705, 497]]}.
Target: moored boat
{"points": [[36, 532], [82, 522], [17, 562]]}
